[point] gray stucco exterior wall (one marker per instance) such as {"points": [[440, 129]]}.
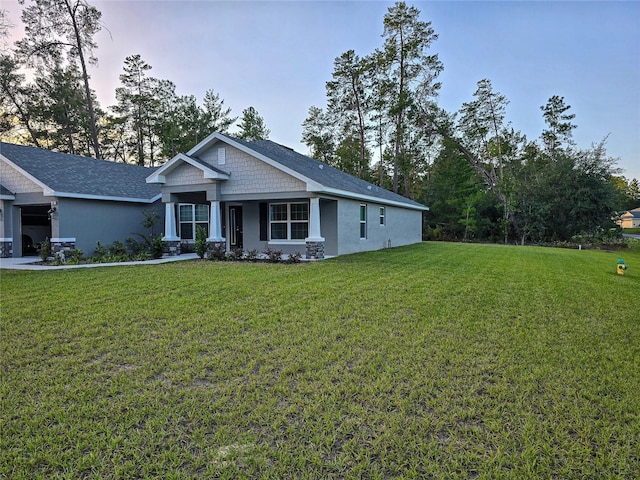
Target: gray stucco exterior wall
{"points": [[89, 221], [402, 227]]}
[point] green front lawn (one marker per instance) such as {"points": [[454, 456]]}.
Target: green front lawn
{"points": [[431, 361]]}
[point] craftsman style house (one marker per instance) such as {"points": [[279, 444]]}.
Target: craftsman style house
{"points": [[261, 195], [246, 195]]}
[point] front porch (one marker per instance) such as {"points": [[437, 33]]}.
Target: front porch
{"points": [[289, 225]]}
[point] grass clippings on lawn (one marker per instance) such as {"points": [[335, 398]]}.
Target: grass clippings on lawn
{"points": [[431, 361]]}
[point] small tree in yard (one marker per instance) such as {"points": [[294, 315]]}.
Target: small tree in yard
{"points": [[201, 241], [45, 250], [149, 241]]}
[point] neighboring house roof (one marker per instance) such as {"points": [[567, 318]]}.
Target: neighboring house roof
{"points": [[318, 176], [635, 213], [73, 176]]}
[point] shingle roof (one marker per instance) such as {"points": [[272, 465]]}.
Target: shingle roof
{"points": [[82, 176], [321, 173], [5, 191], [634, 212]]}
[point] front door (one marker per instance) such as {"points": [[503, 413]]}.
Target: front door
{"points": [[235, 226]]}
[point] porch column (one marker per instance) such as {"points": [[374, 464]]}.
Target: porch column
{"points": [[314, 221], [215, 223], [315, 240], [170, 223]]}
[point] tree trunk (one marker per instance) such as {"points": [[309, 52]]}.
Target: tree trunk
{"points": [[85, 77]]}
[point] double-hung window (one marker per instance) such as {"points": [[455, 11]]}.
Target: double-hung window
{"points": [[288, 221], [363, 220], [382, 216], [191, 215]]}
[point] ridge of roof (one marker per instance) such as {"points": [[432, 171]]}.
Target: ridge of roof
{"points": [[78, 176]]}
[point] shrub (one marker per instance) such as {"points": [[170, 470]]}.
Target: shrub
{"points": [[100, 252], [142, 256], [136, 247], [201, 241], [157, 247], [273, 256], [118, 249], [45, 249], [236, 254], [294, 258], [252, 255], [75, 256]]}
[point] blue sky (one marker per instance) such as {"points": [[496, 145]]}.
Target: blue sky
{"points": [[277, 56]]}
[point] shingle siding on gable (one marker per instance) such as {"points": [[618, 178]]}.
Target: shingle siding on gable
{"points": [[15, 181], [249, 175], [185, 174]]}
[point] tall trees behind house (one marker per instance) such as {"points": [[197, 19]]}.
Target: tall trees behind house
{"points": [[58, 110], [154, 122], [411, 70], [382, 108], [371, 103], [59, 36]]}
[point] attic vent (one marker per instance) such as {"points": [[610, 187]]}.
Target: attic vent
{"points": [[320, 166], [222, 156]]}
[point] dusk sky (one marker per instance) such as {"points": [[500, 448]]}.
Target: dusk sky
{"points": [[277, 56]]}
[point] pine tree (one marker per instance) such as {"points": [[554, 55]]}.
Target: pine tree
{"points": [[252, 126]]}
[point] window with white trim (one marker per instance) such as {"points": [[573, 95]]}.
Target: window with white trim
{"points": [[190, 216], [288, 221], [363, 220], [382, 216]]}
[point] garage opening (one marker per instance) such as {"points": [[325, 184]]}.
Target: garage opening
{"points": [[36, 227]]}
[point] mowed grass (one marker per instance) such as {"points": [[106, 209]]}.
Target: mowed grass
{"points": [[431, 361]]}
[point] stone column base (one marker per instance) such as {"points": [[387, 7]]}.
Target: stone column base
{"points": [[62, 245], [315, 250], [6, 248], [217, 250], [171, 248]]}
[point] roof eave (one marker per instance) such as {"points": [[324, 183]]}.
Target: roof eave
{"points": [[371, 198], [86, 196]]}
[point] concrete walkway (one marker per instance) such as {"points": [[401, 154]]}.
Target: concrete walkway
{"points": [[26, 263]]}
